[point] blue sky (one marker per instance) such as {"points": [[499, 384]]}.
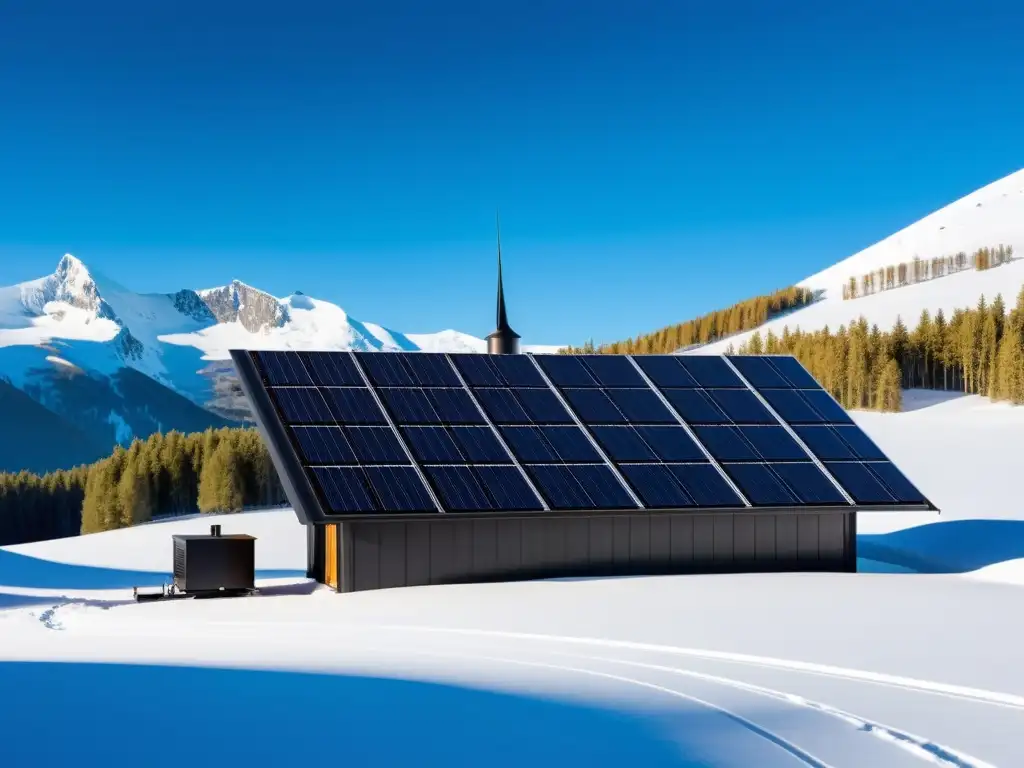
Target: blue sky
{"points": [[651, 160]]}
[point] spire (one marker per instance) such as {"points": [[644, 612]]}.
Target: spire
{"points": [[502, 316], [504, 340]]}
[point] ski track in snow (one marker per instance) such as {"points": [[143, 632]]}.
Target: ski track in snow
{"points": [[994, 698]]}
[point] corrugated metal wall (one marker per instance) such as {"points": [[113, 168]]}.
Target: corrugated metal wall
{"points": [[377, 555]]}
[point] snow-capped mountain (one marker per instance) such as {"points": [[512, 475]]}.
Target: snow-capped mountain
{"points": [[114, 364], [986, 218]]}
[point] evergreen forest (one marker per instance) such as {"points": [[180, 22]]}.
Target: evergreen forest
{"points": [[714, 326], [169, 474]]}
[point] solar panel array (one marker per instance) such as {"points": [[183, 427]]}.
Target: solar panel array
{"points": [[410, 433]]}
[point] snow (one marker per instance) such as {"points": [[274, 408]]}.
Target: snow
{"points": [[85, 312], [886, 667], [990, 216]]}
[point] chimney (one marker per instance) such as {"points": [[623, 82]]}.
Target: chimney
{"points": [[503, 341], [215, 530]]}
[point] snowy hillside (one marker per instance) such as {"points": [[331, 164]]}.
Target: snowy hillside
{"points": [[885, 668], [991, 216], [110, 364]]}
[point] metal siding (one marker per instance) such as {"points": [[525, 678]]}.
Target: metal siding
{"points": [[620, 541], [485, 546], [807, 537], [744, 545], [661, 540], [640, 539], [723, 545], [315, 552], [832, 537], [577, 543], [366, 556], [786, 539], [442, 552], [533, 545], [681, 527], [555, 544], [602, 545], [344, 557], [764, 538], [510, 545], [417, 555], [703, 540], [850, 542], [462, 554], [391, 554]]}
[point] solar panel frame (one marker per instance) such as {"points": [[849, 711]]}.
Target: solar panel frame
{"points": [[506, 372]]}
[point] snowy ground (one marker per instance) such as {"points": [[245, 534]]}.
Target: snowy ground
{"points": [[880, 668]]}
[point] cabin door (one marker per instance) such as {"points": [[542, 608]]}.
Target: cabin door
{"points": [[331, 555]]}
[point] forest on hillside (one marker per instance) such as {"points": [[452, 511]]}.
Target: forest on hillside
{"points": [[742, 316], [220, 470], [921, 270], [976, 351]]}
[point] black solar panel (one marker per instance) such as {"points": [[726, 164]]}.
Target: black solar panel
{"points": [[330, 370], [423, 433], [567, 371]]}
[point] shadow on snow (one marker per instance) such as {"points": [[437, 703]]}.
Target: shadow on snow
{"points": [[17, 570], [164, 716], [956, 546]]}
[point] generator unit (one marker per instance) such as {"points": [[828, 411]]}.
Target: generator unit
{"points": [[213, 565]]}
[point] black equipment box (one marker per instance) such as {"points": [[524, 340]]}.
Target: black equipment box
{"points": [[214, 564]]}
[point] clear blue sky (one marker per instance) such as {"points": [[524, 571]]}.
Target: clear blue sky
{"points": [[651, 160]]}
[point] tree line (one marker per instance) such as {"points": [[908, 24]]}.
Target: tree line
{"points": [[976, 351], [920, 270], [742, 316], [220, 470]]}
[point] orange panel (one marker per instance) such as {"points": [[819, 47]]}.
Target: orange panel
{"points": [[331, 555]]}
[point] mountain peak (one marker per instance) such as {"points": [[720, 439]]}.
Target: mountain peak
{"points": [[71, 283], [70, 265]]}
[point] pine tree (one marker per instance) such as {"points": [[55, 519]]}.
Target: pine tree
{"points": [[220, 487], [889, 396], [134, 497]]}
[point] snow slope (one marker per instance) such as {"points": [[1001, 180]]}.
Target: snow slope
{"points": [[881, 668], [990, 216]]}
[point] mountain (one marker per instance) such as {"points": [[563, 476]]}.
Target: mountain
{"points": [[92, 364], [986, 218]]}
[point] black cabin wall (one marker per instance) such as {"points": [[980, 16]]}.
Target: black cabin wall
{"points": [[383, 554], [315, 541]]}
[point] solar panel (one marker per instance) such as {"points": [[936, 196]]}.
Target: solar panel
{"points": [[324, 445], [665, 371], [375, 445], [432, 444], [518, 371], [613, 371], [423, 433], [567, 371], [624, 443], [459, 488], [656, 486], [710, 372], [330, 370], [283, 368], [480, 445], [346, 490], [505, 484], [705, 485]]}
